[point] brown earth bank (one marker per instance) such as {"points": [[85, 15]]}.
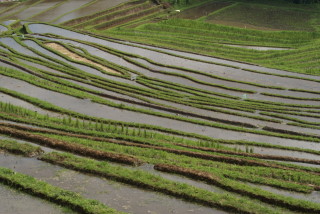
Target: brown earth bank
{"points": [[14, 130], [211, 179], [71, 147], [76, 57]]}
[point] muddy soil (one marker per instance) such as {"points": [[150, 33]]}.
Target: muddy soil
{"points": [[77, 57], [15, 101], [5, 65], [42, 67], [301, 164], [21, 6], [98, 110], [150, 169], [15, 202], [223, 71], [310, 119], [256, 122], [145, 167], [3, 28], [5, 5], [116, 195], [201, 66], [31, 11], [8, 22], [61, 10], [184, 81], [45, 149], [229, 62], [91, 9], [14, 45], [51, 54], [3, 49], [226, 83], [96, 52], [313, 196], [277, 152], [108, 92]]}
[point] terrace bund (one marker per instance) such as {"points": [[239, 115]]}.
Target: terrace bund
{"points": [[136, 106]]}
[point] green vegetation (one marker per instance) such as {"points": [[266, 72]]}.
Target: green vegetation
{"points": [[201, 89], [119, 129], [156, 183], [268, 17], [171, 33], [51, 193], [298, 27], [262, 195], [20, 148], [82, 95]]}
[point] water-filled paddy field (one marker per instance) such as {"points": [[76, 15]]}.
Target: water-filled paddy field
{"points": [[95, 124]]}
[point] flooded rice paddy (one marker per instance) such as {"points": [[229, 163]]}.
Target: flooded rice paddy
{"points": [[98, 110], [177, 61], [116, 195], [217, 106], [90, 9], [62, 9], [35, 9], [15, 202]]}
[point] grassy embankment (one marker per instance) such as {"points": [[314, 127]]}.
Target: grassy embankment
{"points": [[145, 146], [51, 193], [299, 33]]}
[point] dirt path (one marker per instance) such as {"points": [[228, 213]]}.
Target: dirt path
{"points": [[76, 57]]}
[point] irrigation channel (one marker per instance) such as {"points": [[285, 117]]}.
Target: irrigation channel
{"points": [[144, 129]]}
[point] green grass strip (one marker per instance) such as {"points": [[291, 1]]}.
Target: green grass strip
{"points": [[46, 10], [156, 183], [24, 149], [79, 94], [29, 117], [291, 97], [51, 193]]}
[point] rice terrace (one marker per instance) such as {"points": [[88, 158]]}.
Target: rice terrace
{"points": [[159, 106]]}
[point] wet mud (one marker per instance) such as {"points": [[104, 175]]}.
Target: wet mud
{"points": [[116, 195], [314, 196], [93, 109], [91, 9], [14, 202], [35, 9], [54, 13]]}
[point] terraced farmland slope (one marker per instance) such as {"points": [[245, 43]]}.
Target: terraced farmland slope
{"points": [[134, 107]]}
